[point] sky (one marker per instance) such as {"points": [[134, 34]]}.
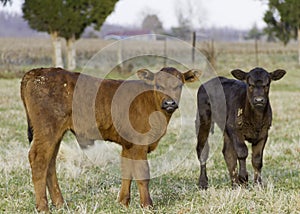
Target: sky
{"points": [[241, 14]]}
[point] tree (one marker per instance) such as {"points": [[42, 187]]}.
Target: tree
{"points": [[94, 13], [283, 21], [66, 19], [4, 2], [255, 34], [189, 14], [152, 22], [41, 17]]}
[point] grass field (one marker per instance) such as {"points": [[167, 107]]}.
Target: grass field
{"points": [[90, 180]]}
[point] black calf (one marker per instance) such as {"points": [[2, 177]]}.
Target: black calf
{"points": [[242, 110]]}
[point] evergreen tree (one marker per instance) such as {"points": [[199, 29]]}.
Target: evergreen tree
{"points": [[67, 19], [283, 20]]}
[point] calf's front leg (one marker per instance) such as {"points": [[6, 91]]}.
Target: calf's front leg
{"points": [[124, 195], [230, 157], [134, 165], [241, 151], [257, 159]]}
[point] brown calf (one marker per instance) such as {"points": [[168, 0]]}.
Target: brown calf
{"points": [[133, 114]]}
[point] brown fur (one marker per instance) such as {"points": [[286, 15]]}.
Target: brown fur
{"points": [[133, 114]]}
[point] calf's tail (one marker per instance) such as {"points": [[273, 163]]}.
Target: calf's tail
{"points": [[29, 132], [23, 87], [212, 127]]}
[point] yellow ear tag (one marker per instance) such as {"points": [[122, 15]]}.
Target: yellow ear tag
{"points": [[239, 117], [240, 112]]}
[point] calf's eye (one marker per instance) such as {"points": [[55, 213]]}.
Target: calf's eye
{"points": [[178, 87], [160, 88], [250, 86]]}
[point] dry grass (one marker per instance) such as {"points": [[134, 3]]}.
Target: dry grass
{"points": [[20, 55], [90, 180]]}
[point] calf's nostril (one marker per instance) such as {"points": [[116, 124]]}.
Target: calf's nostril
{"points": [[259, 99], [170, 104]]}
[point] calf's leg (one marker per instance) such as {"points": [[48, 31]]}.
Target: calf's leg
{"points": [[142, 176], [126, 170], [230, 157], [52, 182], [134, 165], [257, 159], [243, 174], [124, 195], [40, 155], [42, 158], [202, 153], [242, 153], [38, 165]]}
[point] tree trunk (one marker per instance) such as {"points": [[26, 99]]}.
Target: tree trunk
{"points": [[71, 53], [57, 52], [298, 45]]}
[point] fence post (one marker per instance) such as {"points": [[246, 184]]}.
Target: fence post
{"points": [[193, 47], [256, 51], [165, 52]]}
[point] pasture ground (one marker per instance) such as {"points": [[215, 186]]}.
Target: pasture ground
{"points": [[90, 180]]}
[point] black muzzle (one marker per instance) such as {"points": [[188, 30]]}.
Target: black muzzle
{"points": [[169, 105], [259, 102]]}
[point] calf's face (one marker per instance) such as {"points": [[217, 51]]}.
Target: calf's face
{"points": [[167, 85], [258, 83]]}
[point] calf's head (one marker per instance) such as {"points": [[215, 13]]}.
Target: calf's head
{"points": [[167, 85], [258, 83]]}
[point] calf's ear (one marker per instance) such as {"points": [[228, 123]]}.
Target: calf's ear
{"points": [[239, 74], [192, 75], [146, 75], [277, 74]]}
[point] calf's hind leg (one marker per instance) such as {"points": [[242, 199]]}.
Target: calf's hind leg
{"points": [[42, 155], [52, 182], [203, 129], [39, 164]]}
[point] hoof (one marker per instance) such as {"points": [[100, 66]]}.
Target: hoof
{"points": [[243, 179], [125, 202], [148, 206], [42, 209], [203, 185]]}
